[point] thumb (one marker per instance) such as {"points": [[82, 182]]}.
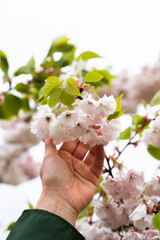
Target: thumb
{"points": [[50, 148]]}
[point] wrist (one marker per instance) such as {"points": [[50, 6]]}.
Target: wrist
{"points": [[54, 203]]}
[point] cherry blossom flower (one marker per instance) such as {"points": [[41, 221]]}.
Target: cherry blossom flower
{"points": [[141, 218], [40, 125], [152, 188], [152, 135], [132, 235], [111, 214], [19, 169], [151, 234], [124, 186], [96, 231]]}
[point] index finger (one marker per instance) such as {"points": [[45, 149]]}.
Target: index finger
{"points": [[98, 161]]}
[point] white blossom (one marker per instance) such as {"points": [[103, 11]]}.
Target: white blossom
{"points": [[152, 135], [124, 186], [140, 217], [41, 122]]}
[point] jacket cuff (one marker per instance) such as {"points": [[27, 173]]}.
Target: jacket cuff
{"points": [[40, 224]]}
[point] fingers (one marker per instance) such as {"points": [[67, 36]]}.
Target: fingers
{"points": [[97, 163], [69, 146], [81, 150], [90, 157], [50, 148]]}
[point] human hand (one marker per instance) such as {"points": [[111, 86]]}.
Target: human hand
{"points": [[69, 181]]}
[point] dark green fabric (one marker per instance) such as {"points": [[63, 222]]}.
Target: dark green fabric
{"points": [[42, 225]]}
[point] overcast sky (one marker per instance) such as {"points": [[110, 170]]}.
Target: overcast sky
{"points": [[125, 32]]}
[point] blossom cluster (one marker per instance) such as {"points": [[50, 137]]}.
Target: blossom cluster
{"points": [[136, 88], [152, 135], [130, 203], [16, 164], [87, 121]]}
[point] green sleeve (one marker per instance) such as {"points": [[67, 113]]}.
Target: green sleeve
{"points": [[42, 225]]}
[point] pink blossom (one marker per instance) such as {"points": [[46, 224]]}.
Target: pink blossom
{"points": [[111, 214], [124, 186], [96, 231], [41, 122], [152, 188], [151, 234], [141, 218], [19, 169], [152, 135], [132, 235]]}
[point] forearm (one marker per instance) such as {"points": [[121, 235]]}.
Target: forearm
{"points": [[57, 205]]}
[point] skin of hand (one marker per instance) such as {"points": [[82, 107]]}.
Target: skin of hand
{"points": [[69, 179]]}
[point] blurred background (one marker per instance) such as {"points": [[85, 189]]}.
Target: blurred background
{"points": [[126, 33]]}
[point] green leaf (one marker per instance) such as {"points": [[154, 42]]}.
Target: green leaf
{"points": [[54, 97], [118, 101], [107, 77], [22, 88], [93, 77], [156, 221], [66, 59], [88, 55], [71, 87], [144, 104], [154, 151], [50, 85], [156, 99], [40, 76], [10, 107], [126, 134], [84, 211], [27, 69], [67, 99], [30, 205], [4, 64], [60, 44], [117, 113], [137, 121], [9, 228], [99, 188], [25, 104]]}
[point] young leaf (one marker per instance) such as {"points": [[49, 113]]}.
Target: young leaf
{"points": [[156, 99], [84, 211], [27, 69], [154, 151], [30, 205], [4, 64], [93, 77], [54, 97], [22, 88], [126, 134], [107, 77], [66, 59], [10, 107], [71, 87], [156, 221], [144, 104], [118, 101], [67, 99], [117, 113], [9, 228], [88, 55], [59, 44], [99, 188], [50, 85]]}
